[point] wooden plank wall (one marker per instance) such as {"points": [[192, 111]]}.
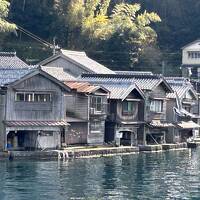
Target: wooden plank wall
{"points": [[67, 66], [77, 106], [33, 110]]}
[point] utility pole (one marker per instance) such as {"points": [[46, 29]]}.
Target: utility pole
{"points": [[54, 45], [163, 67], [24, 4]]}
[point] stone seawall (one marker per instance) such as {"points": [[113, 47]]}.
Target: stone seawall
{"points": [[162, 147], [85, 152]]}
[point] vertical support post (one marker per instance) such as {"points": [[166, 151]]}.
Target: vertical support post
{"points": [[163, 68]]}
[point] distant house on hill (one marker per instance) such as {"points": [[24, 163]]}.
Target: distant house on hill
{"points": [[191, 60], [75, 63]]}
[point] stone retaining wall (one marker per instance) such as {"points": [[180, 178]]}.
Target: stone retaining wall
{"points": [[85, 152]]}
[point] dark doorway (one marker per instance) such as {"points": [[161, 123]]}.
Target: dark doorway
{"points": [[126, 138]]}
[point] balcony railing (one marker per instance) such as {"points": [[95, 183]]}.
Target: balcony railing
{"points": [[101, 109]]}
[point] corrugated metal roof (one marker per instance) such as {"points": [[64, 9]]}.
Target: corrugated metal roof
{"points": [[82, 87], [58, 73], [9, 60], [87, 63], [36, 123]]}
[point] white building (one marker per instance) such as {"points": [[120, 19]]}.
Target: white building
{"points": [[191, 60]]}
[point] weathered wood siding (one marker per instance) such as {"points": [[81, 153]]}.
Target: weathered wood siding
{"points": [[116, 114], [97, 137], [128, 118], [53, 110], [68, 66], [77, 105], [159, 93], [171, 103], [34, 140], [77, 133]]}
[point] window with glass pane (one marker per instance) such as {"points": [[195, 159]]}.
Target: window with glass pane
{"points": [[128, 107], [42, 97], [156, 106], [19, 97], [28, 97], [97, 103]]}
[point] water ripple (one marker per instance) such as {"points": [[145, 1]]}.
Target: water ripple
{"points": [[169, 175]]}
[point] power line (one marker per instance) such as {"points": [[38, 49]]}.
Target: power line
{"points": [[34, 37]]}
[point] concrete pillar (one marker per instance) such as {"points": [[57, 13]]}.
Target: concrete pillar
{"points": [[15, 141], [117, 138], [132, 139]]}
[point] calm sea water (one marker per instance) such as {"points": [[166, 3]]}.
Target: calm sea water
{"points": [[169, 175]]}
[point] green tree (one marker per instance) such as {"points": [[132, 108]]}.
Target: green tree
{"points": [[126, 24], [5, 26]]}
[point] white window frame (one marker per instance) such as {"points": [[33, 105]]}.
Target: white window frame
{"points": [[156, 105], [95, 105], [33, 96]]}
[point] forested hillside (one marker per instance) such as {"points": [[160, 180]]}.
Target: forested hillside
{"points": [[115, 46]]}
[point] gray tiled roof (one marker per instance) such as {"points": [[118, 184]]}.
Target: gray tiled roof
{"points": [[12, 68], [58, 73], [89, 64], [134, 72], [9, 60], [144, 82], [119, 88], [119, 91], [10, 75], [147, 83], [180, 85], [80, 59]]}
